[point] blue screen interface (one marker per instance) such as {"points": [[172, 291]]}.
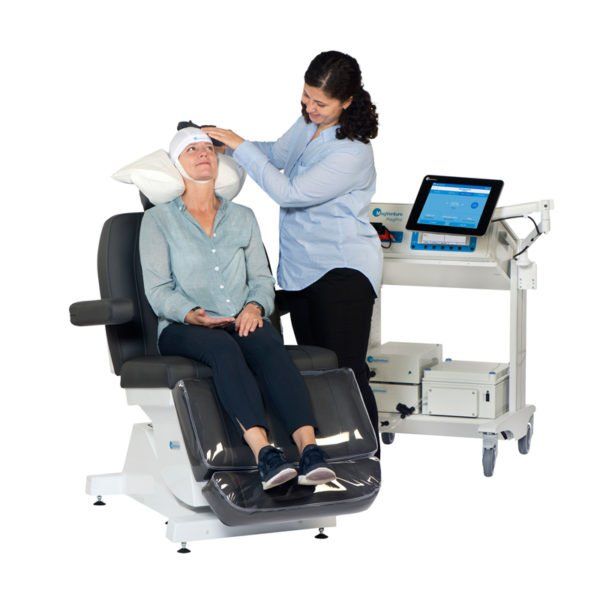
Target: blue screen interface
{"points": [[454, 205]]}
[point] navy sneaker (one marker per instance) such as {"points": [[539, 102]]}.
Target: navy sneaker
{"points": [[273, 467], [313, 468]]}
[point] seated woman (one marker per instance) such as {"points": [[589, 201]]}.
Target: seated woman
{"points": [[207, 279]]}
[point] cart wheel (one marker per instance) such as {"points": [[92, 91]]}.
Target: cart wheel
{"points": [[388, 438], [489, 460], [525, 441]]}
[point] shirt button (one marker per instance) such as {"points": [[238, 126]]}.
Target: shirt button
{"points": [[213, 250], [228, 300], [221, 286], [216, 268]]}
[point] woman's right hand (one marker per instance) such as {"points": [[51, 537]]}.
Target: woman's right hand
{"points": [[199, 317]]}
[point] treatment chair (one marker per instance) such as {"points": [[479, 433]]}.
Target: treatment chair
{"points": [[190, 462]]}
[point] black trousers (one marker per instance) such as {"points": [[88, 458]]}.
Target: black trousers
{"points": [[241, 367], [335, 313]]}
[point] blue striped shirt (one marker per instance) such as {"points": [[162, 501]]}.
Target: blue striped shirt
{"points": [[184, 267], [324, 194]]}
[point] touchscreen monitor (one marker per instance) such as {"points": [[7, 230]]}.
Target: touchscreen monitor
{"points": [[454, 205]]}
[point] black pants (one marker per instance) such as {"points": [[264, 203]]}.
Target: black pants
{"points": [[241, 366], [335, 313]]}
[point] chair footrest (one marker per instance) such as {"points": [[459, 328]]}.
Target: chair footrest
{"points": [[215, 443], [237, 497]]}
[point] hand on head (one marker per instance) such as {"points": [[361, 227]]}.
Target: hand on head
{"points": [[226, 136]]}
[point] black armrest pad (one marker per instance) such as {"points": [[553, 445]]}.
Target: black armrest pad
{"points": [[160, 371], [109, 311]]}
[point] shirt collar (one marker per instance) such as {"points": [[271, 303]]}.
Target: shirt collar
{"points": [[180, 204], [324, 136], [329, 133]]}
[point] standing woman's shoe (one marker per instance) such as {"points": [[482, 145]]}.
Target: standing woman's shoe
{"points": [[273, 467], [313, 468]]}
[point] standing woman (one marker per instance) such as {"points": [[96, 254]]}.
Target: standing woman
{"points": [[330, 261]]}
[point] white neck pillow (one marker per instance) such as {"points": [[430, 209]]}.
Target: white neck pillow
{"points": [[160, 181]]}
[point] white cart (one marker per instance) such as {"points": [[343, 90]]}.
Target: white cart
{"points": [[498, 260]]}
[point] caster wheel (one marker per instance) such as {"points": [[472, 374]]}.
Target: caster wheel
{"points": [[525, 441], [489, 460], [388, 438]]}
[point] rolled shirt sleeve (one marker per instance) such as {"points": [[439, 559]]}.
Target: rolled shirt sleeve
{"points": [[277, 152], [166, 300], [339, 172]]}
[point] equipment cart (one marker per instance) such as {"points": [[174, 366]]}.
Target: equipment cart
{"points": [[416, 390]]}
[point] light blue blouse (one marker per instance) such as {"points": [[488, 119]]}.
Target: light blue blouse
{"points": [[183, 267], [324, 193]]}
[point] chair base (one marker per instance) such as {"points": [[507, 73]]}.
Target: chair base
{"points": [[186, 524], [142, 481]]}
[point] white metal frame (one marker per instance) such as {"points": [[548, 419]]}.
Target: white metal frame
{"points": [[522, 276]]}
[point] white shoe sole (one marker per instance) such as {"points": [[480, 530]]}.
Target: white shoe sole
{"points": [[280, 478], [316, 477]]}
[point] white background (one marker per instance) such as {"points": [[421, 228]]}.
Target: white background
{"points": [[486, 89]]}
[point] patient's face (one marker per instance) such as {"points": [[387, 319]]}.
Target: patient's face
{"points": [[200, 161]]}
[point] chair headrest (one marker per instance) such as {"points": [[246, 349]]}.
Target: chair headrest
{"points": [[159, 181]]}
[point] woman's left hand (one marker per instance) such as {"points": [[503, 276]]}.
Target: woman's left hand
{"points": [[248, 320], [228, 137]]}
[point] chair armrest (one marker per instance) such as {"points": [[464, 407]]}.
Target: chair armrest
{"points": [[109, 311]]}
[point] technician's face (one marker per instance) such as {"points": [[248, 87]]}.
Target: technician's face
{"points": [[200, 161], [321, 108]]}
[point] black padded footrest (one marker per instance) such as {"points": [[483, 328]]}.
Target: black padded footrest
{"points": [[215, 443], [237, 497]]}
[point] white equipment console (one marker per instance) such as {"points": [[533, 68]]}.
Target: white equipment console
{"points": [[396, 373], [456, 398], [466, 389]]}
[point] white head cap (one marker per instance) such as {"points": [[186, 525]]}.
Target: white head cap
{"points": [[183, 138]]}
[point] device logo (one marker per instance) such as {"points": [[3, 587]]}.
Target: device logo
{"points": [[373, 359], [390, 214], [174, 445]]}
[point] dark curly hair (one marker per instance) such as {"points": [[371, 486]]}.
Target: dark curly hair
{"points": [[339, 76]]}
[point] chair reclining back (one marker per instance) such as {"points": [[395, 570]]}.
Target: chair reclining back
{"points": [[120, 276]]}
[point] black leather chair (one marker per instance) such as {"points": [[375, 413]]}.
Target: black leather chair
{"points": [[191, 457]]}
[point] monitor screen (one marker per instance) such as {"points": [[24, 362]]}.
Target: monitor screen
{"points": [[454, 205]]}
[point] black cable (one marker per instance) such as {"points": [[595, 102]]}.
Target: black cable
{"points": [[385, 235], [532, 240], [521, 252], [521, 217]]}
